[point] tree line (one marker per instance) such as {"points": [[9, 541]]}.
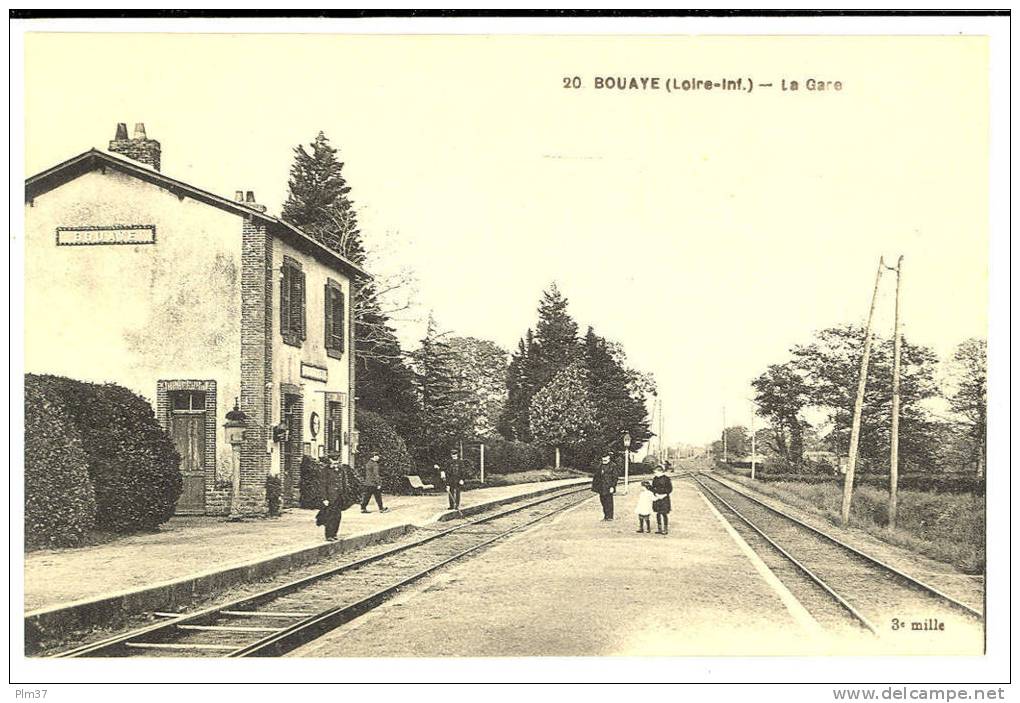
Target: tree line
{"points": [[808, 401], [570, 393]]}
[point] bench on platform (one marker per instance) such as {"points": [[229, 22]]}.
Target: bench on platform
{"points": [[417, 484]]}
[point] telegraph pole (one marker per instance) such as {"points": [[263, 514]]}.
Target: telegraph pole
{"points": [[855, 430], [725, 458], [752, 446], [894, 441], [662, 431]]}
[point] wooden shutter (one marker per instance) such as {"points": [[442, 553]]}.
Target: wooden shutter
{"points": [[334, 318], [285, 315], [299, 303], [328, 311]]}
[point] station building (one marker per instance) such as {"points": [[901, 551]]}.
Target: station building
{"points": [[196, 302]]}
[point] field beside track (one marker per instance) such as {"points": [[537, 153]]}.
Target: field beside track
{"points": [[943, 526]]}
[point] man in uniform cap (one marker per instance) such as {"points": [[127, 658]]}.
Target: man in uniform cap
{"points": [[604, 480], [454, 475]]}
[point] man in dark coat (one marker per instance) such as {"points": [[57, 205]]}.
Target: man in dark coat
{"points": [[604, 480], [454, 474], [371, 484], [339, 493]]}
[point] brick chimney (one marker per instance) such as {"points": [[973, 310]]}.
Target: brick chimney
{"points": [[248, 200], [139, 147]]}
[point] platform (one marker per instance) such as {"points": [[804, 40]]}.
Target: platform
{"points": [[71, 589], [578, 586]]}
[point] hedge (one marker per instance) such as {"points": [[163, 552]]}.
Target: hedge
{"points": [[638, 468], [132, 463], [310, 484], [506, 457], [377, 435], [60, 503]]}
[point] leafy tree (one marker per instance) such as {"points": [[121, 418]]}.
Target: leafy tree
{"points": [[830, 366], [738, 443], [378, 436], [563, 412], [967, 393], [480, 371], [780, 394], [445, 416]]}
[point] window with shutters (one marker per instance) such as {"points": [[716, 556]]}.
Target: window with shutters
{"points": [[292, 302], [335, 320]]}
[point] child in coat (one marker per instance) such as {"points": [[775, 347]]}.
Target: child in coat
{"points": [[661, 488], [644, 507]]}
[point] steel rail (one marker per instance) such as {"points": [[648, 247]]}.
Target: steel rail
{"points": [[910, 580], [116, 644], [857, 615], [307, 630]]}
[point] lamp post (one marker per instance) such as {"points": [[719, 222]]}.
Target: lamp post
{"points": [[234, 429], [626, 462]]}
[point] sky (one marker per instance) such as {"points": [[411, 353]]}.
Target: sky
{"points": [[706, 231]]}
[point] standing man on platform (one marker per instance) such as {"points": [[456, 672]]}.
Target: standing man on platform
{"points": [[339, 492], [372, 484], [604, 480], [454, 475]]}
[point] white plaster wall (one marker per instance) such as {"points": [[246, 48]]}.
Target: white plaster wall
{"points": [[133, 314], [287, 359]]}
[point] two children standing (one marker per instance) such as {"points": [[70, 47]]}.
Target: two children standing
{"points": [[654, 497]]}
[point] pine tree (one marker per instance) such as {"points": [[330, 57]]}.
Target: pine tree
{"points": [[318, 200], [520, 389], [619, 400], [538, 358], [319, 204], [555, 338]]}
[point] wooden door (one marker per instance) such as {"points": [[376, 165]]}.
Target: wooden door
{"points": [[187, 429], [334, 428]]}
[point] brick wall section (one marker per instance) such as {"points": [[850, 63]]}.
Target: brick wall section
{"points": [[256, 362], [146, 151], [162, 406], [217, 498], [291, 480]]}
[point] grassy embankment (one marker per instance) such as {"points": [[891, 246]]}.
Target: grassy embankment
{"points": [[943, 526]]}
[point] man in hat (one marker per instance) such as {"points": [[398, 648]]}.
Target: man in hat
{"points": [[335, 494], [372, 484], [604, 480], [454, 474]]}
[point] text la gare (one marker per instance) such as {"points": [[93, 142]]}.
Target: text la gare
{"points": [[813, 84]]}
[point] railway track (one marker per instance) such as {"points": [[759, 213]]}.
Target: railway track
{"points": [[277, 620], [837, 583]]}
